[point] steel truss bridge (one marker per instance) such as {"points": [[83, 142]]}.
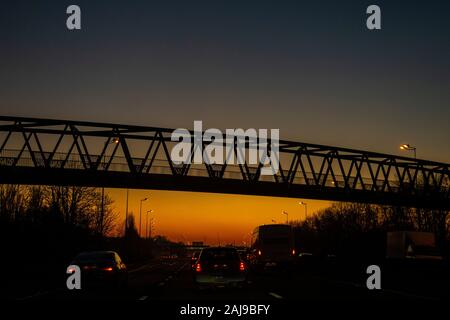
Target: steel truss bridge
{"points": [[61, 152]]}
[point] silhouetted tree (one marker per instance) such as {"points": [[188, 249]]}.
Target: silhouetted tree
{"points": [[37, 203], [12, 202], [348, 226], [69, 205]]}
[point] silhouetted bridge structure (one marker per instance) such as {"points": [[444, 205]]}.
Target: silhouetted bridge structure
{"points": [[60, 152]]}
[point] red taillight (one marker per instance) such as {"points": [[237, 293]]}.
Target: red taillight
{"points": [[241, 266], [198, 267], [108, 269]]}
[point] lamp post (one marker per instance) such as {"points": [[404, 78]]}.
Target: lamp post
{"points": [[287, 216], [115, 141], [306, 208], [408, 147], [126, 213], [151, 227], [146, 227], [140, 214]]}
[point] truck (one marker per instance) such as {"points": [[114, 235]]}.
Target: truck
{"points": [[412, 245], [272, 246]]}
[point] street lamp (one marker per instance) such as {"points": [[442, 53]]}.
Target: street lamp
{"points": [[287, 216], [126, 213], [140, 215], [146, 227], [408, 147], [306, 208], [151, 227], [115, 141]]}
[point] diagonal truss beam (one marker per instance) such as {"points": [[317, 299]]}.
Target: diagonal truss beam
{"points": [[316, 168]]}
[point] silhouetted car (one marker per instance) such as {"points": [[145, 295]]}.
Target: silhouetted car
{"points": [[101, 268], [272, 247], [218, 266], [244, 255], [194, 259]]}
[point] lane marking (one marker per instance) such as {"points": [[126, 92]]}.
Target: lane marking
{"points": [[409, 295], [148, 266], [275, 295], [181, 268], [162, 283], [383, 290], [38, 294]]}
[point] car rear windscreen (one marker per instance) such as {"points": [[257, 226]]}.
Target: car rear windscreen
{"points": [[276, 241], [219, 254], [95, 258]]}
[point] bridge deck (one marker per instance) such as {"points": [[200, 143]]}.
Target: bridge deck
{"points": [[43, 151]]}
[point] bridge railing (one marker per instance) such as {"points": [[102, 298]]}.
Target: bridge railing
{"points": [[161, 166], [139, 151]]}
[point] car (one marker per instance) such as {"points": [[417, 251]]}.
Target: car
{"points": [[101, 268], [219, 267], [243, 253], [194, 259]]}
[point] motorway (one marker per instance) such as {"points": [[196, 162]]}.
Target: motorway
{"points": [[171, 280]]}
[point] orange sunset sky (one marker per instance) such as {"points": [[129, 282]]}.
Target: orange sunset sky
{"points": [[212, 218]]}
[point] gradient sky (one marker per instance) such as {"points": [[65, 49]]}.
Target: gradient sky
{"points": [[212, 218], [310, 68]]}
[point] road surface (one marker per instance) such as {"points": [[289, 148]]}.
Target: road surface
{"points": [[171, 280]]}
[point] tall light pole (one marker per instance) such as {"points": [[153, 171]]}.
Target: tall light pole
{"points": [[287, 216], [115, 141], [306, 208], [146, 227], [140, 215], [126, 213], [151, 227], [408, 147]]}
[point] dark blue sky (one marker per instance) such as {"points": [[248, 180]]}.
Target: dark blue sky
{"points": [[310, 68]]}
